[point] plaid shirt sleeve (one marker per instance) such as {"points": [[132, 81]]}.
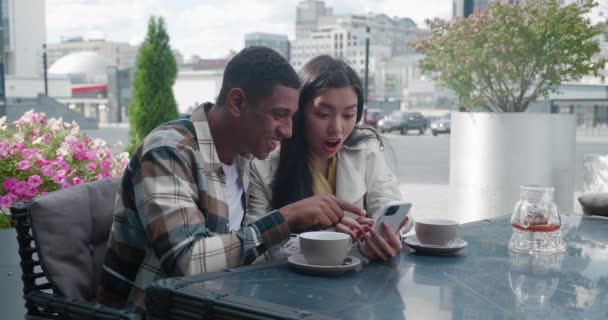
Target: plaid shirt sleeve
{"points": [[167, 196]]}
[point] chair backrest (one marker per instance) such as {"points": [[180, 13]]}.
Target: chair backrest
{"points": [[71, 228], [594, 203]]}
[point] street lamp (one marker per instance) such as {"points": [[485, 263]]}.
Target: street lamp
{"points": [[2, 92], [46, 82], [366, 64]]}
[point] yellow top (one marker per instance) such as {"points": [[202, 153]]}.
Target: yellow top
{"points": [[320, 183]]}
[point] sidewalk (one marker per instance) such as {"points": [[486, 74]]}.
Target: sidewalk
{"points": [[428, 200]]}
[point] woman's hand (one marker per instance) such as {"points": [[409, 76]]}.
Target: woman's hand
{"points": [[354, 227], [381, 246]]}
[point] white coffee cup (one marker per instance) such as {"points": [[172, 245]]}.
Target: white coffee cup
{"points": [[439, 232], [324, 248]]}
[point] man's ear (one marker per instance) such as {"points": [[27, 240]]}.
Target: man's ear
{"points": [[235, 101]]}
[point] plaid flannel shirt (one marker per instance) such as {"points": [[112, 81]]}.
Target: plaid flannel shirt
{"points": [[171, 216]]}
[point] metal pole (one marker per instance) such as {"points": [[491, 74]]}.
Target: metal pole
{"points": [[2, 92], [366, 64], [46, 82], [118, 91]]}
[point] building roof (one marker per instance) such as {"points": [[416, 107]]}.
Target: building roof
{"points": [[81, 67]]}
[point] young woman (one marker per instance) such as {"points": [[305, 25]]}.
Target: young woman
{"points": [[329, 153]]}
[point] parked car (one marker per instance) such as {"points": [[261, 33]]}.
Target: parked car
{"points": [[442, 125], [403, 121], [372, 116]]}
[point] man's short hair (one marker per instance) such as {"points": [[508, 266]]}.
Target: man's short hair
{"points": [[256, 70]]}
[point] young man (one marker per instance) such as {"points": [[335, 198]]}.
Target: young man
{"points": [[179, 209]]}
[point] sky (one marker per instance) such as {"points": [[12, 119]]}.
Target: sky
{"points": [[208, 28]]}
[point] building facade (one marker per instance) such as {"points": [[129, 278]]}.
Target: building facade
{"points": [[464, 8], [121, 54], [319, 31], [308, 13], [23, 34], [278, 42]]}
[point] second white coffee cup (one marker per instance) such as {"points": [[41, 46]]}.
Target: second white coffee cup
{"points": [[439, 232]]}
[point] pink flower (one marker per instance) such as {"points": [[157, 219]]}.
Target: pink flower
{"points": [[81, 155], [6, 201], [92, 155], [34, 181], [34, 134], [77, 180], [18, 146], [27, 154], [47, 171], [20, 187], [3, 148], [30, 192], [24, 165], [106, 165], [60, 177], [91, 166], [43, 162], [62, 165], [9, 184]]}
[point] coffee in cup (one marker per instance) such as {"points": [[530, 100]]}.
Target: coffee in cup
{"points": [[324, 248], [439, 232]]}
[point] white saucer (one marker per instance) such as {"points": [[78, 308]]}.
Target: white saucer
{"points": [[298, 262], [454, 247]]}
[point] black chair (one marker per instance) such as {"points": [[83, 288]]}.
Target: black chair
{"points": [[62, 242]]}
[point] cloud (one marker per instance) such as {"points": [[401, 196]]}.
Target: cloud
{"points": [[206, 27]]}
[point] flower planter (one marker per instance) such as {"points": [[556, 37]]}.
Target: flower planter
{"points": [[11, 291]]}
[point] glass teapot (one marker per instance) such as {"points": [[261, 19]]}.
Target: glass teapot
{"points": [[536, 222]]}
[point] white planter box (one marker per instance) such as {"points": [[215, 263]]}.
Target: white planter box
{"points": [[493, 154]]}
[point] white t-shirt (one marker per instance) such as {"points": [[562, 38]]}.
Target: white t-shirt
{"points": [[234, 192]]}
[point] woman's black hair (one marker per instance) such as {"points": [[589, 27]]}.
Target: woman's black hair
{"points": [[293, 180]]}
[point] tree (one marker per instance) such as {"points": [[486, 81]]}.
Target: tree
{"points": [[504, 57], [153, 102]]}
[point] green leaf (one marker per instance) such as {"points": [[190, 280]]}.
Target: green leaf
{"points": [[506, 56]]}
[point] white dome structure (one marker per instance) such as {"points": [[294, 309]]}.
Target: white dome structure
{"points": [[81, 67]]}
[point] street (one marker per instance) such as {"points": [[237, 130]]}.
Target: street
{"points": [[421, 163]]}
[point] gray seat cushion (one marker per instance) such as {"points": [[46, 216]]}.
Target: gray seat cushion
{"points": [[595, 203], [71, 227]]}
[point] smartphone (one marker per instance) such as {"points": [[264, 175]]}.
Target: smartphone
{"points": [[392, 214]]}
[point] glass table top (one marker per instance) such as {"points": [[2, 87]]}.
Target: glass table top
{"points": [[483, 281]]}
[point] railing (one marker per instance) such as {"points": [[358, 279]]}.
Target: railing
{"points": [[598, 131]]}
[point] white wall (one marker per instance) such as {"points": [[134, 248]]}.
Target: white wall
{"points": [[30, 87], [196, 87], [27, 35]]}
